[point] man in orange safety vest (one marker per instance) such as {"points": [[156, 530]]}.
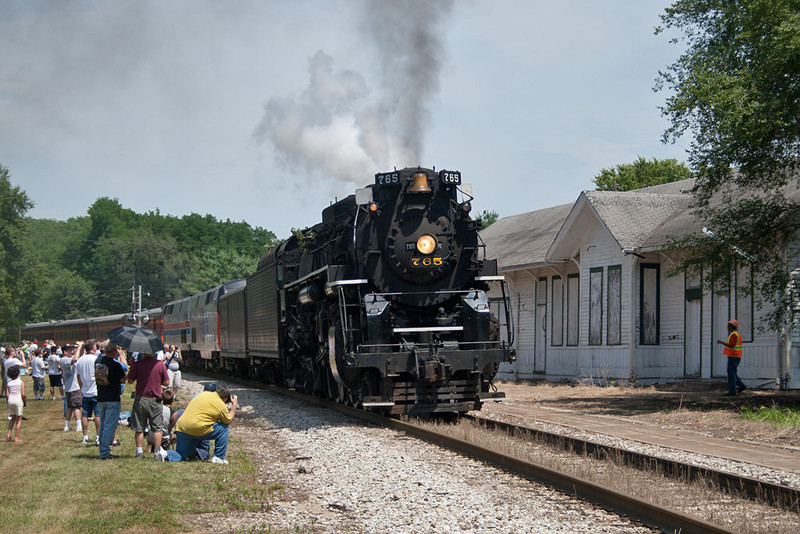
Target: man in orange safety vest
{"points": [[733, 350]]}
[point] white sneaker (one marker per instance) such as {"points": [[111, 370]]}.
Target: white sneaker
{"points": [[54, 398], [218, 460], [66, 427], [79, 428], [85, 440]]}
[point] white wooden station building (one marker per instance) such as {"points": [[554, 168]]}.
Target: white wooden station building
{"points": [[591, 299]]}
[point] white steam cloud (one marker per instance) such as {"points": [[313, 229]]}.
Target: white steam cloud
{"points": [[336, 128]]}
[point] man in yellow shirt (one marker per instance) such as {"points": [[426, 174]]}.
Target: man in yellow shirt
{"points": [[206, 418]]}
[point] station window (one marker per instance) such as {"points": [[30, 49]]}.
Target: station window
{"points": [[744, 301], [573, 305], [649, 304], [557, 322], [596, 306], [614, 300]]}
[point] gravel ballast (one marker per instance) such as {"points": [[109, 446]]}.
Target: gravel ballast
{"points": [[342, 476]]}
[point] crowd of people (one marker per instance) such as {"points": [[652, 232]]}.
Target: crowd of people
{"points": [[90, 377]]}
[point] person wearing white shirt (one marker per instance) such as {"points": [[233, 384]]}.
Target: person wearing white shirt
{"points": [[37, 373], [54, 372], [84, 369], [73, 398]]}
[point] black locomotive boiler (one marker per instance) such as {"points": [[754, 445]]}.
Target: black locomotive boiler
{"points": [[383, 304]]}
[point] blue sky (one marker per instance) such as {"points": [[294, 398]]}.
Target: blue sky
{"points": [[265, 111]]}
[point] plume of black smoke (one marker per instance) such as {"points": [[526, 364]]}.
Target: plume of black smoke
{"points": [[335, 129]]}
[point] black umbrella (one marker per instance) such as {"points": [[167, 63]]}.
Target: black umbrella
{"points": [[135, 338]]}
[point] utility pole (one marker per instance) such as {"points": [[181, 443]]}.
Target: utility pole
{"points": [[136, 308]]}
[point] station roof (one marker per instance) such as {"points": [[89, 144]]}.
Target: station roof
{"points": [[640, 218], [522, 240]]}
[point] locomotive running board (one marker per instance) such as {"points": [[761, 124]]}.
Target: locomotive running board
{"points": [[377, 404], [406, 330]]}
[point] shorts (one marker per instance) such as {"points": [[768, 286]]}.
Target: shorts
{"points": [[55, 381], [174, 378], [89, 407], [15, 406], [38, 384], [74, 400], [147, 409]]}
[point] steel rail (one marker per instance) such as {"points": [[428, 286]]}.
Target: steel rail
{"points": [[647, 513], [771, 493]]}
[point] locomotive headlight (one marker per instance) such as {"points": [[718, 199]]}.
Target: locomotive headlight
{"points": [[426, 244]]}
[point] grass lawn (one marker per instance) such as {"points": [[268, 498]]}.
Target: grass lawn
{"points": [[51, 483]]}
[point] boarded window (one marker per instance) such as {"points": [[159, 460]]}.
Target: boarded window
{"points": [[614, 318], [557, 324], [596, 306], [649, 304], [573, 305], [744, 301]]}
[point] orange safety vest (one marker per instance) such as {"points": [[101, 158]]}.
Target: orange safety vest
{"points": [[734, 339]]}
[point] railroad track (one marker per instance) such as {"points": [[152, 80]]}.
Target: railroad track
{"points": [[649, 514], [771, 493]]}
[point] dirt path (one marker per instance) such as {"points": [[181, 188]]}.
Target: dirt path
{"points": [[698, 407]]}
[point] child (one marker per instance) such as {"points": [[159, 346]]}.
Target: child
{"points": [[16, 401], [166, 413]]}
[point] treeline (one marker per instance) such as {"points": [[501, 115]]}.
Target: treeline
{"points": [[87, 265]]}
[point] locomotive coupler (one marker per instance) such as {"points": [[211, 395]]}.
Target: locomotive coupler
{"points": [[433, 372]]}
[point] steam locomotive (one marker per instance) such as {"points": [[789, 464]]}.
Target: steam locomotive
{"points": [[381, 305]]}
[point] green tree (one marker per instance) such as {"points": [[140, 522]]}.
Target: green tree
{"points": [[14, 203], [48, 246], [65, 295], [736, 89], [212, 266], [135, 257], [487, 218], [641, 173], [87, 265]]}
